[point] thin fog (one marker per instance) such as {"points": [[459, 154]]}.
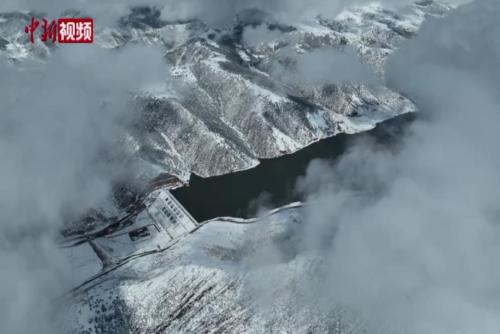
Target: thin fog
{"points": [[60, 129], [212, 12], [322, 66], [222, 12], [409, 238]]}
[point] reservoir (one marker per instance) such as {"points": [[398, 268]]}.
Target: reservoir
{"points": [[272, 183]]}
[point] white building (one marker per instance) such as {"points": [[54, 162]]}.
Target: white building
{"points": [[167, 213]]}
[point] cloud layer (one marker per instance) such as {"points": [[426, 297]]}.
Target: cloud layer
{"points": [[409, 238], [60, 127]]}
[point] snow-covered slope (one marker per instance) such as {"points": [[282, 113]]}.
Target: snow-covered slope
{"points": [[211, 282], [223, 109]]}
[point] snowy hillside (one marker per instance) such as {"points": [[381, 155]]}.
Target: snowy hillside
{"points": [[224, 107], [200, 284]]}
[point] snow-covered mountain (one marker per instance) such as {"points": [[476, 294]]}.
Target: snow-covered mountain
{"points": [[207, 282], [225, 107]]}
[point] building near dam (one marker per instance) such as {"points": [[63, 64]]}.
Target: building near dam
{"points": [[161, 221], [167, 214]]}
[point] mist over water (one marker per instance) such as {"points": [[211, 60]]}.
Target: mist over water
{"points": [[271, 184]]}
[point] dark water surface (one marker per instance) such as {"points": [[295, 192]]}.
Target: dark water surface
{"points": [[272, 183]]}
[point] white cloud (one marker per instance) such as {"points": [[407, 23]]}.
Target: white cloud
{"points": [[59, 126]]}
